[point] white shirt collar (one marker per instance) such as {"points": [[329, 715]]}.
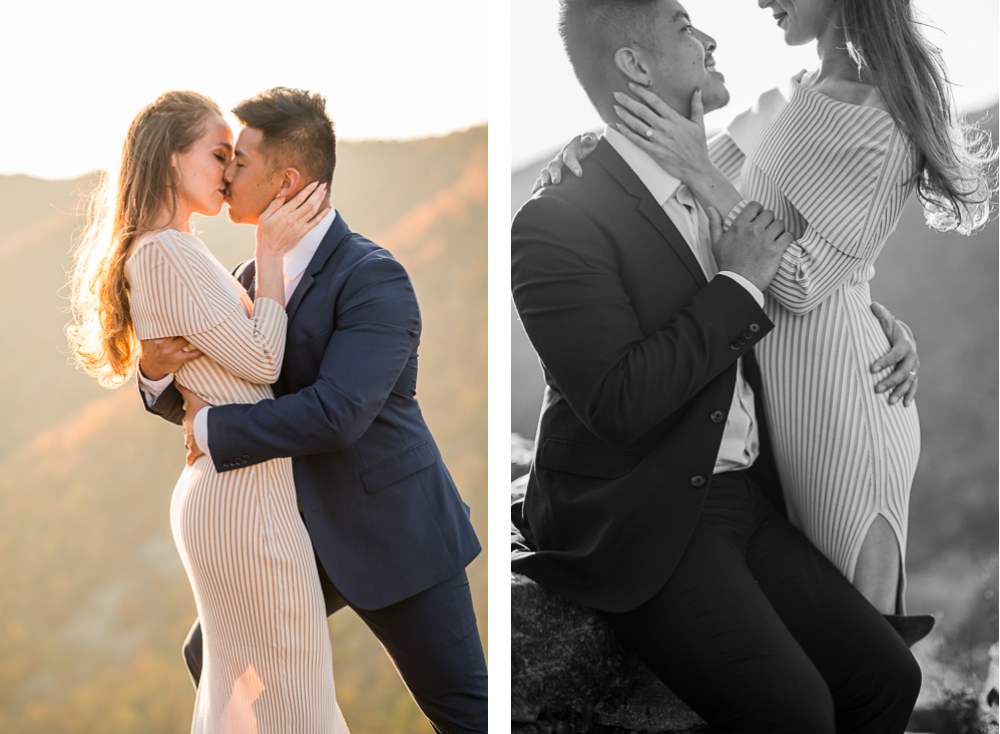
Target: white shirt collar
{"points": [[660, 183], [296, 259]]}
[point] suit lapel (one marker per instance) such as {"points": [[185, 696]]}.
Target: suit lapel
{"points": [[246, 274], [334, 236], [298, 294], [649, 207]]}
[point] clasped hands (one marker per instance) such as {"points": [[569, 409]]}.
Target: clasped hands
{"points": [[162, 357]]}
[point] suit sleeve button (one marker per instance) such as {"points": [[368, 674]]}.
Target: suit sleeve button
{"points": [[698, 480], [226, 464], [735, 346], [718, 416], [747, 334], [246, 458], [754, 328]]}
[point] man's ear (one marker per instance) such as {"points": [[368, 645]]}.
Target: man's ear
{"points": [[290, 179], [632, 65]]}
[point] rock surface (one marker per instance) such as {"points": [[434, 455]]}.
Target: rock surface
{"points": [[569, 673], [990, 697], [521, 450], [568, 667]]}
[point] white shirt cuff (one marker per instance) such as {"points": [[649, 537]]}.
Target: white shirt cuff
{"points": [[153, 389], [201, 430], [751, 288]]}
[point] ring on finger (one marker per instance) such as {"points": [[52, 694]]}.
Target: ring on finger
{"points": [[913, 374], [649, 133]]}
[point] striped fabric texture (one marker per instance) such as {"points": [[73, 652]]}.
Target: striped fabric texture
{"points": [[267, 659], [838, 175]]}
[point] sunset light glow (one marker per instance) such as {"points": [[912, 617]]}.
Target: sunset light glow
{"points": [[73, 77]]}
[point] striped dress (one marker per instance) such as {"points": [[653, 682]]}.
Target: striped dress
{"points": [[838, 175], [267, 661]]}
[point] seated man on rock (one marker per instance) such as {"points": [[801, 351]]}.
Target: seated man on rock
{"points": [[653, 496]]}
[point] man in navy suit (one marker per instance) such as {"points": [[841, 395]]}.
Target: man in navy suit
{"points": [[392, 535], [653, 496]]}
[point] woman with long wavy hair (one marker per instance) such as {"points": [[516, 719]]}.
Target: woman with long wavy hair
{"points": [[835, 155], [141, 274]]}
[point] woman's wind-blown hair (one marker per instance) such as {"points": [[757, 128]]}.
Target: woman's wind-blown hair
{"points": [[956, 168], [126, 203]]}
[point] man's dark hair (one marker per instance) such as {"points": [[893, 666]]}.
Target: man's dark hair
{"points": [[592, 30], [297, 132]]}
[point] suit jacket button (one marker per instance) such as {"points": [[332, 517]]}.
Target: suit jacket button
{"points": [[718, 416], [697, 481], [754, 328]]}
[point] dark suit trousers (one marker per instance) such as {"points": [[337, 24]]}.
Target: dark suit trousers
{"points": [[758, 632], [434, 643]]}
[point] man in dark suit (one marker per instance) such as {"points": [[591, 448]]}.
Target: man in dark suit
{"points": [[391, 533], [653, 496]]}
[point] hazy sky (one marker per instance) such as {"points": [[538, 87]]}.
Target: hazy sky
{"points": [[74, 74], [548, 106]]}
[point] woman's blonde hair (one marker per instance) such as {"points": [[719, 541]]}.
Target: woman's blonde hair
{"points": [[956, 166], [124, 206]]}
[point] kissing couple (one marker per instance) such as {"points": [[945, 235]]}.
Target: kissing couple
{"points": [[726, 446], [312, 481]]}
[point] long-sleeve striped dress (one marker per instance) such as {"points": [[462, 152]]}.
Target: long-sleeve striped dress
{"points": [[267, 660], [838, 175]]}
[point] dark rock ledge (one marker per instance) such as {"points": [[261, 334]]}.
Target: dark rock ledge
{"points": [[569, 674]]}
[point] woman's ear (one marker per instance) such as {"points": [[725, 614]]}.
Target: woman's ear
{"points": [[631, 64]]}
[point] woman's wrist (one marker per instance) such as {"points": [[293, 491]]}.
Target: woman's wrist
{"points": [[268, 259], [270, 276], [713, 189]]}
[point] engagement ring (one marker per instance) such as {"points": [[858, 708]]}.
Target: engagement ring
{"points": [[649, 133]]}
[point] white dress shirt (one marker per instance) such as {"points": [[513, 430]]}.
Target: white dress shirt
{"points": [[294, 264], [740, 443]]}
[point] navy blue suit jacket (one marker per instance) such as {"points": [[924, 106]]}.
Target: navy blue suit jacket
{"points": [[381, 508]]}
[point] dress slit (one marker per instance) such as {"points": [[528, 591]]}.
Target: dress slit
{"points": [[855, 554]]}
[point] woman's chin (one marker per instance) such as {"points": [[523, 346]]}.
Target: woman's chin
{"points": [[794, 40], [212, 210]]}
